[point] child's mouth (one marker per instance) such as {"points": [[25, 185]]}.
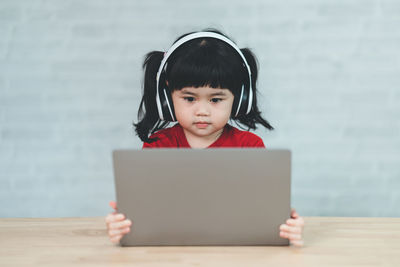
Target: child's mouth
{"points": [[201, 124]]}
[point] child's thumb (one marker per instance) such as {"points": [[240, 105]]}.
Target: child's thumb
{"points": [[294, 214], [113, 205]]}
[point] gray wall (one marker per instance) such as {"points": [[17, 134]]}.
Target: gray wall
{"points": [[70, 85]]}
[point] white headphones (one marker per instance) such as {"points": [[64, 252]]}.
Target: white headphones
{"points": [[164, 106]]}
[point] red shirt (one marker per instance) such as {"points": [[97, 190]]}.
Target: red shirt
{"points": [[230, 137]]}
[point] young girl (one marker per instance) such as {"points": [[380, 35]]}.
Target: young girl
{"points": [[203, 81]]}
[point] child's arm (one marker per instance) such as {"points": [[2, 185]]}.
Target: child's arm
{"points": [[293, 229], [117, 226]]}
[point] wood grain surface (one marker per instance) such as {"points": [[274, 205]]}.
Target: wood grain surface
{"points": [[329, 241]]}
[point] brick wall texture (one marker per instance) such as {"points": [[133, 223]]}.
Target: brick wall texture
{"points": [[70, 86]]}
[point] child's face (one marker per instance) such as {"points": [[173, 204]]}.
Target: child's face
{"points": [[212, 106]]}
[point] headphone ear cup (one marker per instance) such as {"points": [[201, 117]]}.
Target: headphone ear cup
{"points": [[163, 103], [243, 104], [235, 105], [168, 106], [245, 101]]}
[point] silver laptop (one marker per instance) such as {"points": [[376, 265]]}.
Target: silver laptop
{"points": [[211, 197]]}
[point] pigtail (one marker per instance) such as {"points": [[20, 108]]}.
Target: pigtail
{"points": [[149, 121], [254, 116]]}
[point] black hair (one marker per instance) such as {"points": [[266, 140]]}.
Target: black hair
{"points": [[197, 63]]}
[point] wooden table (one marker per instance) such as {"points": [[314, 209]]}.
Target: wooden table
{"points": [[329, 241]]}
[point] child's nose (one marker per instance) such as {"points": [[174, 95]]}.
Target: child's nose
{"points": [[202, 109]]}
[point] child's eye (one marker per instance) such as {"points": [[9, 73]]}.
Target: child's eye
{"points": [[189, 99], [216, 100]]}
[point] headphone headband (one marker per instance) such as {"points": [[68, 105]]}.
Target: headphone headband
{"points": [[190, 37]]}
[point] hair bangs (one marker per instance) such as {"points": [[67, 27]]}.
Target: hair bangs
{"points": [[205, 67]]}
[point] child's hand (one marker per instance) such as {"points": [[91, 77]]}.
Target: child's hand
{"points": [[293, 229], [117, 226]]}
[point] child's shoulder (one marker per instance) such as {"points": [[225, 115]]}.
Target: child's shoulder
{"points": [[239, 132], [165, 137], [242, 138], [166, 132]]}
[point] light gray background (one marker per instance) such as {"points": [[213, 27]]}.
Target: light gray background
{"points": [[70, 85]]}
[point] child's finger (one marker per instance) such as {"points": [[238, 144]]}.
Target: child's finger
{"points": [[113, 205], [296, 222], [283, 234], [294, 214], [125, 230], [111, 218], [290, 236], [290, 229], [120, 231], [119, 225]]}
